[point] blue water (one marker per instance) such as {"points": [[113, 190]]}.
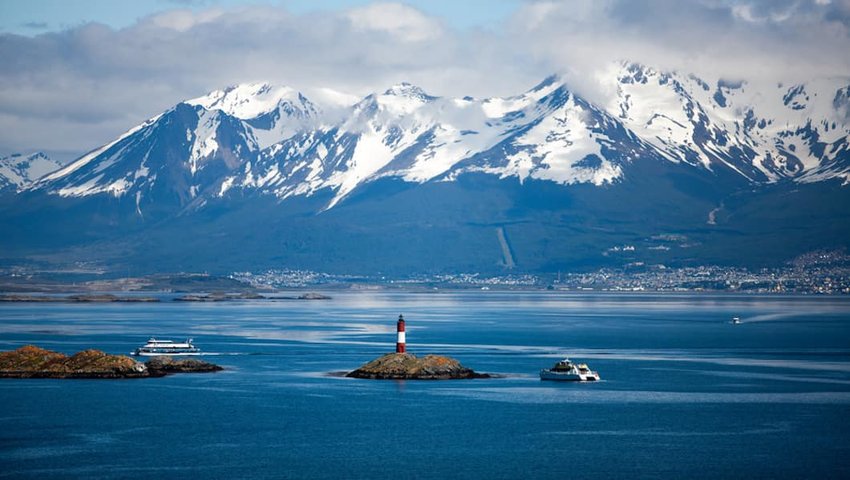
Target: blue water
{"points": [[684, 394]]}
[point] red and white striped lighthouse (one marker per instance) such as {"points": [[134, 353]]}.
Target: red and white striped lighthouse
{"points": [[399, 343]]}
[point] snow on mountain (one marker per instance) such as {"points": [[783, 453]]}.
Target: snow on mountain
{"points": [[549, 133], [273, 140], [95, 154], [173, 159], [763, 132], [19, 171], [546, 133], [273, 112], [246, 101]]}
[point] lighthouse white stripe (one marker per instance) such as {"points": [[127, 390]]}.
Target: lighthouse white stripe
{"points": [[400, 337]]}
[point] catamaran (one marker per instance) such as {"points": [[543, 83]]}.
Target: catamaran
{"points": [[156, 347], [565, 370]]}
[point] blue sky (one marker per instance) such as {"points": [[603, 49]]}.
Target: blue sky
{"points": [[32, 17], [76, 74]]}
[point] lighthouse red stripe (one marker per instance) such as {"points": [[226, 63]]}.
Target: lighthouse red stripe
{"points": [[400, 340]]}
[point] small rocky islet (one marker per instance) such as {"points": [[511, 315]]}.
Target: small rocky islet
{"points": [[226, 297], [406, 366], [190, 297], [34, 362], [81, 298]]}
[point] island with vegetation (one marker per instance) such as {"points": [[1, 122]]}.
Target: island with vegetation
{"points": [[33, 362], [406, 366]]}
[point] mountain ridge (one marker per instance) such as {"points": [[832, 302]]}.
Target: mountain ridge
{"points": [[256, 175], [286, 147], [18, 171]]}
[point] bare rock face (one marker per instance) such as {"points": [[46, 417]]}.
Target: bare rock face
{"points": [[165, 365], [34, 362], [406, 366], [313, 296]]}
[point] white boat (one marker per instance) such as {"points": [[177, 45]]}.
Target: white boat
{"points": [[567, 371], [736, 320], [155, 348]]}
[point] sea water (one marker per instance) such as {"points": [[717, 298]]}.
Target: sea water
{"points": [[684, 393]]}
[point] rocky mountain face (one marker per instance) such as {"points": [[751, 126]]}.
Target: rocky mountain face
{"points": [[258, 173], [20, 171], [764, 133]]}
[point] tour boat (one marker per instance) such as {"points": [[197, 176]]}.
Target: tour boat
{"points": [[156, 347], [565, 370]]}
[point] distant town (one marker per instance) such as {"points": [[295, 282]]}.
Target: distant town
{"points": [[813, 273], [822, 272]]}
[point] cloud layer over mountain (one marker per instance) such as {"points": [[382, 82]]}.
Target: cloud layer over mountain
{"points": [[81, 87]]}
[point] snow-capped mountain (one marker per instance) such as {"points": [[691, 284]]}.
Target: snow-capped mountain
{"points": [[666, 168], [260, 138], [763, 132], [19, 171], [176, 157], [273, 112], [546, 133]]}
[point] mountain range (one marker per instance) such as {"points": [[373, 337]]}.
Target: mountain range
{"points": [[668, 168], [20, 171]]}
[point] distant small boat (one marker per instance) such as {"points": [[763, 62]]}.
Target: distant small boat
{"points": [[736, 320], [567, 371], [156, 347]]}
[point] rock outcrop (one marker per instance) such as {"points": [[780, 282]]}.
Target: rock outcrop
{"points": [[220, 297], [165, 365], [34, 362], [86, 298], [313, 296], [406, 366]]}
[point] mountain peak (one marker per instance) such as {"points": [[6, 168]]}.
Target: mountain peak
{"points": [[547, 82], [632, 72], [19, 171], [408, 90], [546, 133], [249, 100]]}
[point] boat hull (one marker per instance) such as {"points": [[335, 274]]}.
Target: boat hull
{"points": [[568, 376], [167, 354]]}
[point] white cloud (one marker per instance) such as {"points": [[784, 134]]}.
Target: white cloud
{"points": [[182, 20], [762, 41], [79, 88], [401, 21]]}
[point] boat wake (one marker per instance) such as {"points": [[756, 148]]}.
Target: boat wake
{"points": [[232, 354]]}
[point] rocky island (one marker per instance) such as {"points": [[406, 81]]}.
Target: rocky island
{"points": [[81, 298], [406, 366], [34, 362], [220, 297], [227, 297], [166, 365]]}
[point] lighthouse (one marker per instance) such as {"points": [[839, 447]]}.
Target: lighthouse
{"points": [[399, 343]]}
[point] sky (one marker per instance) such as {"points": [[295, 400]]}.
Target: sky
{"points": [[32, 17], [76, 74]]}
